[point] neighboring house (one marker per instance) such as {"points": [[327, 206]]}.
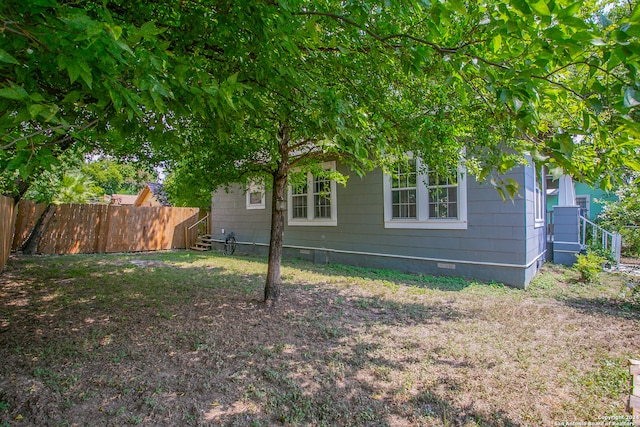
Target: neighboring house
{"points": [[571, 231], [411, 222], [152, 194], [589, 199]]}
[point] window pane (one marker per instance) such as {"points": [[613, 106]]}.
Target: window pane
{"points": [[299, 200], [299, 208], [322, 207], [403, 192], [299, 188], [443, 201], [406, 175], [404, 203], [321, 197], [436, 180], [255, 198]]}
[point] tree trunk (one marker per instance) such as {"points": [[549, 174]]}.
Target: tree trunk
{"points": [[30, 246], [21, 188], [278, 213]]}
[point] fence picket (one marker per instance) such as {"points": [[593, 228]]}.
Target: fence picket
{"points": [[101, 228]]}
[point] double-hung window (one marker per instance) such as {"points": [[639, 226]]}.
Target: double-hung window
{"points": [[414, 197], [313, 201], [404, 191]]}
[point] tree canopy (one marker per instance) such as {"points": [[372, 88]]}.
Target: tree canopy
{"points": [[228, 91], [77, 76]]}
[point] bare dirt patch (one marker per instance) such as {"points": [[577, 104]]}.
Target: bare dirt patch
{"points": [[182, 339]]}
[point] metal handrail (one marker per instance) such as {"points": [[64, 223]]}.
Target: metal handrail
{"points": [[611, 242]]}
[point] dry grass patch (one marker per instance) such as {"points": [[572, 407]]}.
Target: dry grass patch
{"points": [[182, 339]]}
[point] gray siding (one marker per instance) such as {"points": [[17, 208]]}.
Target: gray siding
{"points": [[498, 244], [536, 237]]}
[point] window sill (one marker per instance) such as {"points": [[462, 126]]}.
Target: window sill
{"points": [[312, 223], [429, 225]]}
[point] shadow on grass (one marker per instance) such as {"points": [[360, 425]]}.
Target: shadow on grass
{"points": [[181, 339], [621, 308], [441, 283]]}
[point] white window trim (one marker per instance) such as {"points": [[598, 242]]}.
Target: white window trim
{"points": [[310, 220], [539, 205], [254, 187], [423, 221]]}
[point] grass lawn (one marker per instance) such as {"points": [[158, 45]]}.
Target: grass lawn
{"points": [[181, 338]]}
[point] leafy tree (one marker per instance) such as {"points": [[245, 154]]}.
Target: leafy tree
{"points": [[239, 90], [77, 76], [185, 188], [110, 176], [623, 216], [366, 82], [46, 187], [74, 188]]}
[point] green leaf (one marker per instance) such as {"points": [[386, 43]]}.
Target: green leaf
{"points": [[541, 7], [595, 105], [5, 57], [71, 97], [35, 109], [586, 120], [635, 15], [633, 164], [74, 70], [521, 6], [149, 30], [232, 79], [633, 30], [566, 144], [571, 10], [458, 6], [116, 31], [517, 103], [14, 92], [631, 97], [497, 43]]}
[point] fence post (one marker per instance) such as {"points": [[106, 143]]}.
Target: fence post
{"points": [[634, 399]]}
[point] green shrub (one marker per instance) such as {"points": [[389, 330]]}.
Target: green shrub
{"points": [[589, 266], [630, 241], [623, 216]]}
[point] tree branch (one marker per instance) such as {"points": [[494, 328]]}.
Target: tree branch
{"points": [[61, 140]]}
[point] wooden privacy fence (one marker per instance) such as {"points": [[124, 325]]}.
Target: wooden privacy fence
{"points": [[6, 229], [27, 215], [74, 229]]}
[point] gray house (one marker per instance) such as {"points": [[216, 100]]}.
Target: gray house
{"points": [[411, 222]]}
